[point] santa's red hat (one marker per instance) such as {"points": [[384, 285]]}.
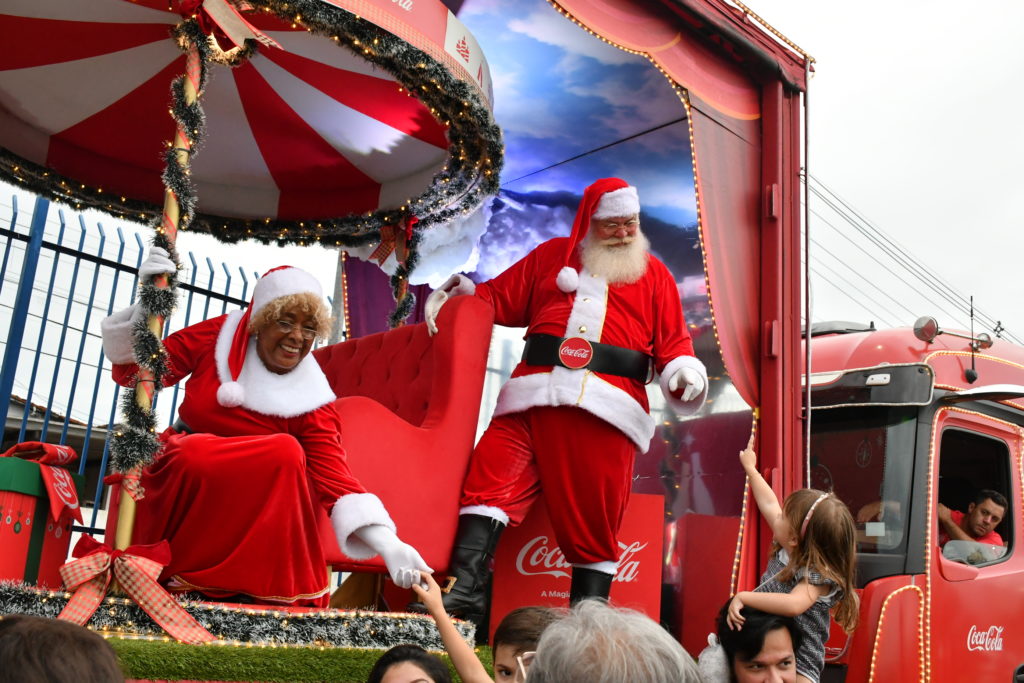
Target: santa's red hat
{"points": [[605, 198], [275, 283]]}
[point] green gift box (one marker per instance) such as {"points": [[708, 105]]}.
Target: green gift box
{"points": [[32, 545]]}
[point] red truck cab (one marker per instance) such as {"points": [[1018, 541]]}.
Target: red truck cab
{"points": [[899, 428]]}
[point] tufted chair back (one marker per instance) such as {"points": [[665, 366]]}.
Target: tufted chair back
{"points": [[409, 404], [394, 368]]}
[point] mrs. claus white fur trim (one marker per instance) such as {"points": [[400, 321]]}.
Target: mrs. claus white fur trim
{"points": [[351, 513], [618, 203], [302, 390], [283, 282]]}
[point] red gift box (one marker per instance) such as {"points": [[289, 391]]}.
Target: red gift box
{"points": [[33, 545]]}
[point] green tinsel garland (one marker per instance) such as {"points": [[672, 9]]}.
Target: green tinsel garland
{"points": [[335, 628], [135, 443]]}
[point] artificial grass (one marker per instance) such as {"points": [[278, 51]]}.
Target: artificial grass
{"points": [[158, 660]]}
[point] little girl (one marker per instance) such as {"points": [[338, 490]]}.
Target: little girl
{"points": [[811, 569]]}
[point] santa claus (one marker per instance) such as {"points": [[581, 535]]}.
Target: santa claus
{"points": [[602, 316]]}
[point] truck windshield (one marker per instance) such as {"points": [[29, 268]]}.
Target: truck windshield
{"points": [[865, 455]]}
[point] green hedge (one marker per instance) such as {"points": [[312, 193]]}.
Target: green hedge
{"points": [[173, 661]]}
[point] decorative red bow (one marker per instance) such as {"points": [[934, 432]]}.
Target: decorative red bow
{"points": [[224, 21], [136, 570], [395, 238], [130, 481]]}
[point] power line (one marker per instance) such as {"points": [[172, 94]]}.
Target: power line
{"points": [[901, 256]]}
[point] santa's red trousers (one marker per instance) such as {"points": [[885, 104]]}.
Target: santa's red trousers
{"points": [[582, 466]]}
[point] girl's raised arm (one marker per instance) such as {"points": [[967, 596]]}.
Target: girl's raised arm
{"points": [[467, 665], [767, 502]]}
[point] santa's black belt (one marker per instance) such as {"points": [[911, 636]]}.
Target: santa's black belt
{"points": [[182, 428], [577, 353]]}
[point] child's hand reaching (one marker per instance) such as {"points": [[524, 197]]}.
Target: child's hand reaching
{"points": [[734, 618], [748, 458], [429, 596]]}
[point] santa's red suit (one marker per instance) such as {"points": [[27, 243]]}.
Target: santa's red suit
{"points": [[236, 494], [572, 434]]}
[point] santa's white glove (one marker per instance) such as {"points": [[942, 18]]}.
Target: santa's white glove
{"points": [[440, 295], [402, 560], [688, 378], [157, 263], [432, 308]]}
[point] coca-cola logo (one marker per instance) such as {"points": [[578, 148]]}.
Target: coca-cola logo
{"points": [[540, 556], [575, 353], [64, 487], [989, 640]]}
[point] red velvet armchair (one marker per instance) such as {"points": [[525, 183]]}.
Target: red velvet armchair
{"points": [[409, 404]]}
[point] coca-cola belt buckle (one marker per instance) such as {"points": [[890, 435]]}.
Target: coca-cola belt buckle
{"points": [[575, 353]]}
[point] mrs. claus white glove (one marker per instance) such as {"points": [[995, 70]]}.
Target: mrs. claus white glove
{"points": [[157, 263], [402, 560], [688, 378]]}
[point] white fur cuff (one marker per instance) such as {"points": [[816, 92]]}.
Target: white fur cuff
{"points": [[352, 512], [683, 408], [486, 511], [117, 335]]}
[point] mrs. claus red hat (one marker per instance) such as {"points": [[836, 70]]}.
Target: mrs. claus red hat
{"points": [[275, 283]]}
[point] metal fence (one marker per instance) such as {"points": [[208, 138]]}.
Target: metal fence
{"points": [[59, 276]]}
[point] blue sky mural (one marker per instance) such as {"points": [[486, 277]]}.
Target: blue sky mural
{"points": [[574, 109]]}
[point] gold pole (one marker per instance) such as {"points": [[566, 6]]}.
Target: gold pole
{"points": [[144, 385]]}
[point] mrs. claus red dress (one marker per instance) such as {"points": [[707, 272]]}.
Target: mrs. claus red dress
{"points": [[235, 495]]}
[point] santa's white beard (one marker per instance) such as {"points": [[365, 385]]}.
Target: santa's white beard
{"points": [[616, 264]]}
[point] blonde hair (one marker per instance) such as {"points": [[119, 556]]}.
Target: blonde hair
{"points": [[307, 303], [826, 544]]}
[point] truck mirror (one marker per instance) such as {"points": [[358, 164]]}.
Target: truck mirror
{"points": [[926, 328]]}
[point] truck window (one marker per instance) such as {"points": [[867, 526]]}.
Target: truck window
{"points": [[970, 464], [864, 454]]}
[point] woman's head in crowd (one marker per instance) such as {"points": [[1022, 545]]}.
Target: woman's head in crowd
{"points": [[597, 643], [518, 633], [409, 664]]}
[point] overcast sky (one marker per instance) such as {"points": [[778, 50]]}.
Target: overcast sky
{"points": [[915, 111]]}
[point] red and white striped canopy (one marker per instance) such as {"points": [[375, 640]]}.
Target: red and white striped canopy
{"points": [[309, 130]]}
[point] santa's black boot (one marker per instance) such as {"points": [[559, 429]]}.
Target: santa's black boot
{"points": [[471, 566], [589, 583]]}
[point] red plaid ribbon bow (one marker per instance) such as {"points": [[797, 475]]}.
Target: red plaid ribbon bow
{"points": [[136, 570], [395, 238]]}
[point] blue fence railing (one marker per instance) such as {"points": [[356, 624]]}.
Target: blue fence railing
{"points": [[58, 279]]}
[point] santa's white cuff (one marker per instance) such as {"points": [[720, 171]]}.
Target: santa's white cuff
{"points": [[683, 408], [353, 511], [117, 335], [486, 511], [458, 285]]}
